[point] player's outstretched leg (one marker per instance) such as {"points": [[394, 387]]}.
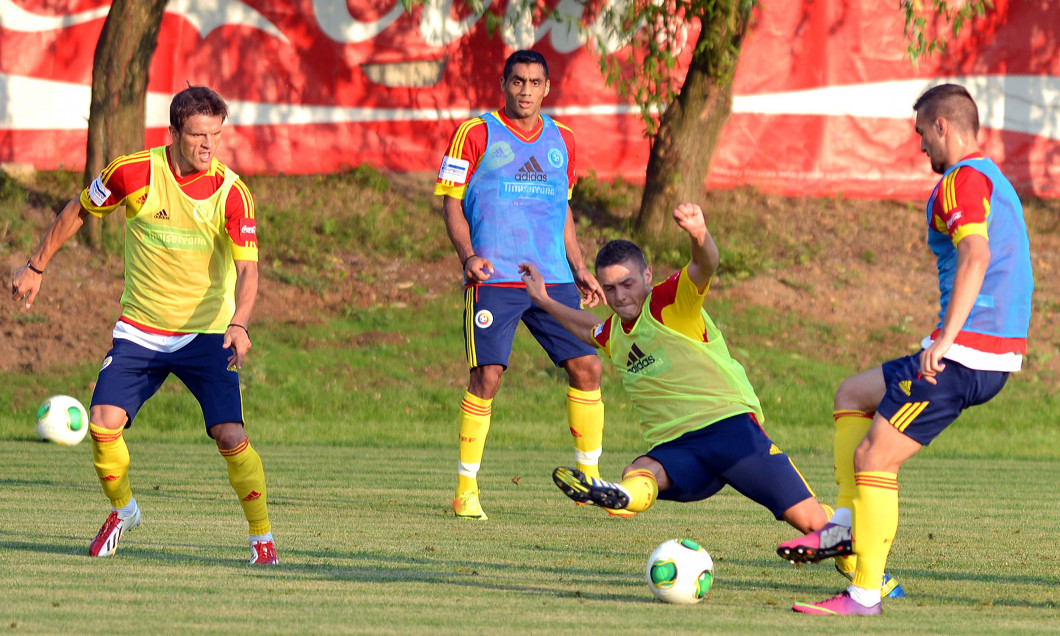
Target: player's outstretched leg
{"points": [[583, 489], [106, 541], [829, 541]]}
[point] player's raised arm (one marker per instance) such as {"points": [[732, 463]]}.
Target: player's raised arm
{"points": [[689, 217], [577, 321]]}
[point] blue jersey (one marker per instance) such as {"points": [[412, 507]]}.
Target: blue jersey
{"points": [[1003, 307], [516, 203]]}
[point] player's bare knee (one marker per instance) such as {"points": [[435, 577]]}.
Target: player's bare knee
{"points": [[584, 372], [485, 381], [846, 395], [107, 416], [228, 435], [861, 392]]}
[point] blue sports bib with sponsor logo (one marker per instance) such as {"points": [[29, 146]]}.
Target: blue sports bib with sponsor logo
{"points": [[1003, 306], [516, 203]]}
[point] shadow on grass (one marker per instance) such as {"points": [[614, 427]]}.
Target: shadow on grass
{"points": [[582, 583]]}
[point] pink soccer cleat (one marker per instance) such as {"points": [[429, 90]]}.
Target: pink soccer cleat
{"points": [[839, 605], [830, 541]]}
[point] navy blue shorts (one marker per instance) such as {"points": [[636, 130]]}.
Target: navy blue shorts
{"points": [[492, 314], [131, 374], [737, 452], [922, 410]]}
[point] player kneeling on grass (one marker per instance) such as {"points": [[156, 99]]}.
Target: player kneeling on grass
{"points": [[694, 402]]}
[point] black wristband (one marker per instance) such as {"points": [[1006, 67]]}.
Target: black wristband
{"points": [[34, 269], [464, 266], [236, 324]]}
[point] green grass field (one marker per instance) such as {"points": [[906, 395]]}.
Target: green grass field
{"points": [[355, 421], [360, 456], [368, 544]]}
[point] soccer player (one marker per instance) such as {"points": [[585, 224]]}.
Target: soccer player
{"points": [[191, 278], [697, 409], [506, 179], [885, 415]]}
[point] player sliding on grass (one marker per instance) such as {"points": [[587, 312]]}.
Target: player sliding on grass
{"points": [[191, 277], [883, 416], [698, 411]]}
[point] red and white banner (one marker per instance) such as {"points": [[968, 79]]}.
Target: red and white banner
{"points": [[823, 92]]}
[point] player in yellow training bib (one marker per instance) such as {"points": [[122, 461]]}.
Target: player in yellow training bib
{"points": [[697, 409], [191, 278]]}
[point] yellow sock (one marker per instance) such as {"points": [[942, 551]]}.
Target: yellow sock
{"points": [[642, 488], [110, 456], [585, 414], [473, 423], [875, 524], [850, 428], [247, 476]]}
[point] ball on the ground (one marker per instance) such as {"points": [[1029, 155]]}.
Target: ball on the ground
{"points": [[680, 571], [63, 420]]}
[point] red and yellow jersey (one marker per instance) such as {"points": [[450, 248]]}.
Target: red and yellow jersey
{"points": [[126, 181], [469, 143], [182, 238], [675, 302], [674, 364], [962, 204], [973, 198]]}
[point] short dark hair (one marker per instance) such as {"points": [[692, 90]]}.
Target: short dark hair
{"points": [[524, 57], [620, 251], [195, 100], [951, 102]]}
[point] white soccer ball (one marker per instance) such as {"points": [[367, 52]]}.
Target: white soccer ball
{"points": [[63, 420], [680, 571]]}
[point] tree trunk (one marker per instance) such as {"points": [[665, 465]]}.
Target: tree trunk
{"points": [[690, 126], [117, 115]]}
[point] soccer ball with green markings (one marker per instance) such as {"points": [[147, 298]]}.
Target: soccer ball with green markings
{"points": [[63, 420], [680, 571]]}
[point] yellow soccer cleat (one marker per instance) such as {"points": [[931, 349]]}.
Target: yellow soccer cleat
{"points": [[466, 506]]}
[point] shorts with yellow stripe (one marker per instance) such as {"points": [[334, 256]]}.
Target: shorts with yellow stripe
{"points": [[922, 410], [492, 313], [732, 452]]}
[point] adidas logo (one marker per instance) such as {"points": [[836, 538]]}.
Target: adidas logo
{"points": [[142, 199], [774, 450], [905, 386], [638, 360], [252, 496], [162, 215], [531, 171]]}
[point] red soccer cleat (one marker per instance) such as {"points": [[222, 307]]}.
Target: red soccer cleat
{"points": [[106, 541], [263, 553]]}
